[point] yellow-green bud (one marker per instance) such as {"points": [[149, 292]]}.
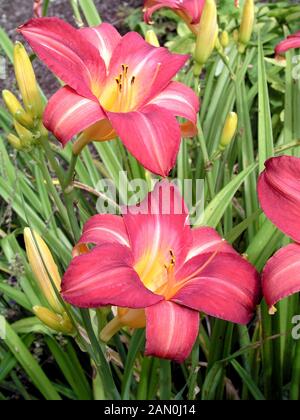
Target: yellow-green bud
{"points": [[224, 39], [14, 141], [16, 109], [24, 134], [59, 323], [247, 23], [42, 264], [151, 38], [207, 33], [229, 130], [235, 35], [27, 82]]}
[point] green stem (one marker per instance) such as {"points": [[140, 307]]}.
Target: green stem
{"points": [[267, 350], [295, 384], [47, 177], [53, 162], [207, 162], [165, 380], [71, 170], [101, 363]]}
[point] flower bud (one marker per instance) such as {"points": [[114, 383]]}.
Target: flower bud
{"points": [[59, 323], [247, 24], [16, 109], [207, 34], [42, 263], [229, 130], [224, 39], [25, 135], [151, 38], [235, 35], [14, 141], [27, 82]]}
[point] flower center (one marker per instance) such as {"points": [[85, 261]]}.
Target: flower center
{"points": [[119, 94], [157, 275]]}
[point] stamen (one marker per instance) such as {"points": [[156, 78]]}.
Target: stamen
{"points": [[125, 89], [173, 259]]}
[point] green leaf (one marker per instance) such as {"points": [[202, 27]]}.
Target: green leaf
{"points": [[248, 381], [217, 207], [29, 364]]}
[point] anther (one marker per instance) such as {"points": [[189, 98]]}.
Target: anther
{"points": [[173, 259]]}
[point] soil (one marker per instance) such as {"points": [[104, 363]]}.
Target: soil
{"points": [[15, 12]]}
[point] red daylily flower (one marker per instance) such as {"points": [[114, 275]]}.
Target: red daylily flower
{"points": [[115, 86], [189, 10], [292, 41], [279, 196], [160, 273]]}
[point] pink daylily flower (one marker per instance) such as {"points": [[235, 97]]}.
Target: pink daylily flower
{"points": [[279, 196], [292, 41], [160, 273], [189, 10], [115, 86]]}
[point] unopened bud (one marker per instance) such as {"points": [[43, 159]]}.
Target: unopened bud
{"points": [[24, 134], [151, 38], [16, 109], [229, 130], [207, 34], [56, 322], [224, 39], [27, 82], [43, 265], [14, 141], [235, 35], [247, 24]]}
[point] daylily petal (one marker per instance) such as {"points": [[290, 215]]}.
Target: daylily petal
{"points": [[160, 227], [105, 37], [207, 240], [171, 331], [227, 288], [152, 136], [153, 68], [194, 9], [281, 276], [292, 41], [68, 113], [102, 229], [191, 9], [67, 53], [101, 131], [151, 6], [104, 277], [279, 194], [180, 100]]}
